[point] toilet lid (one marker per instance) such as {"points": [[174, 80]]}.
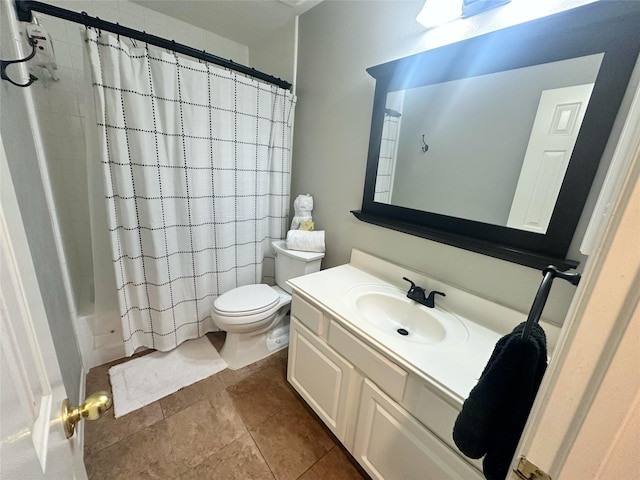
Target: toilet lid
{"points": [[245, 300]]}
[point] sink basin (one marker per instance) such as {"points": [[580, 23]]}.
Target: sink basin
{"points": [[389, 310]]}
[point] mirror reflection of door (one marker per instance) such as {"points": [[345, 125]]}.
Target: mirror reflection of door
{"points": [[553, 136]]}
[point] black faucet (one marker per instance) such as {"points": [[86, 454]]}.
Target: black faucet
{"points": [[416, 294]]}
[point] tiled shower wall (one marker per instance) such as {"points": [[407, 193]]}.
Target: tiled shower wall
{"points": [[59, 106]]}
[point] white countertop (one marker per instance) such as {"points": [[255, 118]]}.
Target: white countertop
{"points": [[452, 368]]}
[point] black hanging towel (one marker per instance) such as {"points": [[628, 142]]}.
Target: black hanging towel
{"points": [[493, 417]]}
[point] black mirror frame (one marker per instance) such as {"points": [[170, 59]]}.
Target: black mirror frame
{"points": [[602, 27]]}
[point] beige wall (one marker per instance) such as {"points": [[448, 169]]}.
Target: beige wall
{"points": [[338, 40], [275, 53]]}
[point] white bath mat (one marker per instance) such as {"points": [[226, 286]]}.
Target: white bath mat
{"points": [[145, 379]]}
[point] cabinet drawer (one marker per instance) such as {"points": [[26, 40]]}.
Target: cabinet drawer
{"points": [[309, 316], [388, 376]]}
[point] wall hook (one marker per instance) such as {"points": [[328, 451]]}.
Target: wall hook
{"points": [[425, 147], [5, 63]]}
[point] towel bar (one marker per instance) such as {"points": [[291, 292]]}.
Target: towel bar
{"points": [[540, 299]]}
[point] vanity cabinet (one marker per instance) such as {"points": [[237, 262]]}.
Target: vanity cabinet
{"points": [[392, 425]]}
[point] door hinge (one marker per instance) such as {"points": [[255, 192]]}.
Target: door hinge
{"points": [[529, 471]]}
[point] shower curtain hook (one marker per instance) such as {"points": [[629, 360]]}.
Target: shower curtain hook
{"points": [[175, 53], [85, 16]]}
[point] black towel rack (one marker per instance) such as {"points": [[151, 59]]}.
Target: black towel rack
{"points": [[539, 301]]}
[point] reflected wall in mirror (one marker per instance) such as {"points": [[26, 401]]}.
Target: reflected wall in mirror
{"points": [[479, 133], [491, 144]]}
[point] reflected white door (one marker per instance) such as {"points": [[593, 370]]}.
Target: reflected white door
{"points": [[33, 443], [553, 136]]}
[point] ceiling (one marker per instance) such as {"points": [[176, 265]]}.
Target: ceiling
{"points": [[244, 21]]}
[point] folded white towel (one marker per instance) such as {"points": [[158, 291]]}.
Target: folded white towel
{"points": [[305, 241]]}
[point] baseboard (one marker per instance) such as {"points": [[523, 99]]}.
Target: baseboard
{"points": [[107, 353], [101, 348]]}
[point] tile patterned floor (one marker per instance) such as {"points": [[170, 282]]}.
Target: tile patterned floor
{"points": [[246, 424]]}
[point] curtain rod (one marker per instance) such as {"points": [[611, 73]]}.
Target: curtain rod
{"points": [[24, 8]]}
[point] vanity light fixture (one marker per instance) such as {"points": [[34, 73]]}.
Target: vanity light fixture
{"points": [[439, 12], [473, 7]]}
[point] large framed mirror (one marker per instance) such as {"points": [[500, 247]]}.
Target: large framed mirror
{"points": [[492, 144]]}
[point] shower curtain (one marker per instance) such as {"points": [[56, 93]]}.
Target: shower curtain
{"points": [[196, 166], [388, 156]]}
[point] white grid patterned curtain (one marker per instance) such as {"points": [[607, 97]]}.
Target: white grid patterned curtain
{"points": [[197, 175]]}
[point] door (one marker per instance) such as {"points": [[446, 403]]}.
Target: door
{"points": [[34, 444], [586, 420], [553, 136]]}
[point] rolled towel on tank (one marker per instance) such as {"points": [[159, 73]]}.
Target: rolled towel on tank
{"points": [[305, 241]]}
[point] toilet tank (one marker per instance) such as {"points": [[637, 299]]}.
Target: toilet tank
{"points": [[293, 263]]}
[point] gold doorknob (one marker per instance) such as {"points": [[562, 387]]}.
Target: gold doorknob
{"points": [[93, 408]]}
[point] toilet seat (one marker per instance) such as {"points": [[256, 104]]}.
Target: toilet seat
{"points": [[247, 300]]}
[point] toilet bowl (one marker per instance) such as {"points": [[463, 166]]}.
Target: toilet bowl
{"points": [[255, 317]]}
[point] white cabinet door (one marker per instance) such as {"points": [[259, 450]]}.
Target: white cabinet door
{"points": [[321, 377], [390, 444]]}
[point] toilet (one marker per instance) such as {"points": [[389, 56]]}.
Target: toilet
{"points": [[255, 317]]}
